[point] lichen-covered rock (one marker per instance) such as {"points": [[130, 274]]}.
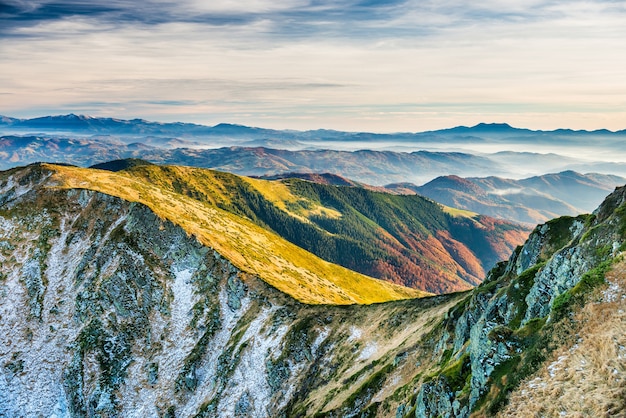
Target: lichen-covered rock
{"points": [[562, 272], [435, 400], [553, 260]]}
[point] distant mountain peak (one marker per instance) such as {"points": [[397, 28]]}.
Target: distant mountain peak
{"points": [[494, 126], [483, 128], [74, 116], [230, 125], [453, 182]]}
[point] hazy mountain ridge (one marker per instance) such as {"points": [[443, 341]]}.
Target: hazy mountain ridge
{"points": [[532, 200], [98, 125], [373, 167], [365, 166], [124, 126], [369, 158], [135, 317]]}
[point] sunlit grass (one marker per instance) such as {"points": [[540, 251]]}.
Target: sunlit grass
{"points": [[281, 196], [459, 213], [248, 246]]}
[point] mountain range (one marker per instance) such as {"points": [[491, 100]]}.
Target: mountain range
{"points": [[373, 167], [105, 125], [365, 166], [532, 200], [527, 201], [165, 281], [378, 159], [407, 240], [153, 292]]}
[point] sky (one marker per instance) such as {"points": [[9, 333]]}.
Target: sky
{"points": [[370, 65]]}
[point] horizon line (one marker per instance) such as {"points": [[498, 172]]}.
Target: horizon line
{"points": [[504, 125]]}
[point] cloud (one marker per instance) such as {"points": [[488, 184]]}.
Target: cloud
{"points": [[352, 63], [303, 18], [288, 19]]}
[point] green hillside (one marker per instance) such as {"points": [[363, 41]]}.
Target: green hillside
{"points": [[407, 240], [251, 248]]}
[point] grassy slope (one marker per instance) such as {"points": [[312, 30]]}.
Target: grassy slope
{"points": [[584, 375], [378, 340], [404, 239], [251, 248]]}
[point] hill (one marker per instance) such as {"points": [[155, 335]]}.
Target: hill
{"points": [[109, 309], [119, 165], [251, 248], [532, 200], [407, 240], [321, 178]]}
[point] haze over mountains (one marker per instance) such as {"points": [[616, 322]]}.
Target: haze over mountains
{"points": [[532, 200], [176, 290], [482, 150]]}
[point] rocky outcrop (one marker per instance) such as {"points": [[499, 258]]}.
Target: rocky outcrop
{"points": [[556, 257], [111, 309]]}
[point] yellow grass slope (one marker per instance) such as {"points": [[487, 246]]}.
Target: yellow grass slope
{"points": [[585, 379], [251, 248]]}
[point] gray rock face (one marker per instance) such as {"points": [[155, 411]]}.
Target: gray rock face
{"points": [[567, 267], [562, 272], [531, 251], [435, 399], [517, 292], [485, 351], [111, 310]]}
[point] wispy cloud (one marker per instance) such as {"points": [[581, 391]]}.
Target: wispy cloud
{"points": [[327, 63]]}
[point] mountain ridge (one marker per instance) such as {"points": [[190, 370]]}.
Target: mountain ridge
{"points": [[406, 240], [133, 316], [530, 200], [223, 232], [86, 122], [373, 167]]}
